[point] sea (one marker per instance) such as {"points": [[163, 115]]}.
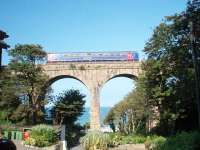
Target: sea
{"points": [[86, 115]]}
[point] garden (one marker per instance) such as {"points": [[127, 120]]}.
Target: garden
{"points": [[36, 136], [103, 141]]}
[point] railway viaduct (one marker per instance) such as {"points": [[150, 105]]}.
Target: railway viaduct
{"points": [[93, 75]]}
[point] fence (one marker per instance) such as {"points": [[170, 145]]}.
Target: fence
{"points": [[13, 135]]}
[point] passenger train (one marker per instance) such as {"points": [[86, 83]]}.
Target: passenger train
{"points": [[92, 56]]}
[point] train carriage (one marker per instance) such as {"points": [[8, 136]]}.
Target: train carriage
{"points": [[92, 56]]}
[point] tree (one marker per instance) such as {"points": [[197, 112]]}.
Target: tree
{"points": [[109, 119], [4, 77], [3, 45], [169, 73], [9, 101], [25, 64], [192, 13], [69, 106], [132, 113]]}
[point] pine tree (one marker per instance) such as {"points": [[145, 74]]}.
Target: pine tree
{"points": [[30, 79]]}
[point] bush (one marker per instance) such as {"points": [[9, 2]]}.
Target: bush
{"points": [[181, 141], [116, 139], [154, 142], [133, 139], [30, 141], [5, 123], [42, 135], [119, 139], [138, 139], [73, 134], [95, 140]]}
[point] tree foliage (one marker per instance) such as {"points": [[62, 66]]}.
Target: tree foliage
{"points": [[3, 45], [9, 101], [29, 80], [166, 91], [131, 114], [169, 72], [68, 107]]}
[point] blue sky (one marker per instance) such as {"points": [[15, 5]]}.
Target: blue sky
{"points": [[85, 25]]}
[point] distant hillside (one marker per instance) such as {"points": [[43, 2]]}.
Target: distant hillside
{"points": [[86, 116]]}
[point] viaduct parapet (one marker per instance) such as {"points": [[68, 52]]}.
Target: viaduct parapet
{"points": [[93, 75]]}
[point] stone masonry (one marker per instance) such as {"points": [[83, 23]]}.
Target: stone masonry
{"points": [[93, 75]]}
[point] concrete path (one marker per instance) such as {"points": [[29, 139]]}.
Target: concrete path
{"points": [[121, 147], [20, 146], [129, 147], [77, 148]]}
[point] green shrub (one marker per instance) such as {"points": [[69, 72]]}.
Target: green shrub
{"points": [[182, 141], [138, 139], [30, 141], [95, 140], [5, 123], [73, 134], [116, 139], [119, 139], [133, 139], [147, 144], [42, 135], [154, 142]]}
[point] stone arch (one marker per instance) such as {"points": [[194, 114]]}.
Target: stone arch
{"points": [[56, 78], [113, 76], [127, 75]]}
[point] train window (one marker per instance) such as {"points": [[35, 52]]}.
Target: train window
{"points": [[66, 55], [84, 54]]}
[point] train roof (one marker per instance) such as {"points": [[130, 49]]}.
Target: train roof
{"points": [[93, 52]]}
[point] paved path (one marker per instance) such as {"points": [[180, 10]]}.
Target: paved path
{"points": [[77, 148], [121, 147], [129, 147], [20, 146]]}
